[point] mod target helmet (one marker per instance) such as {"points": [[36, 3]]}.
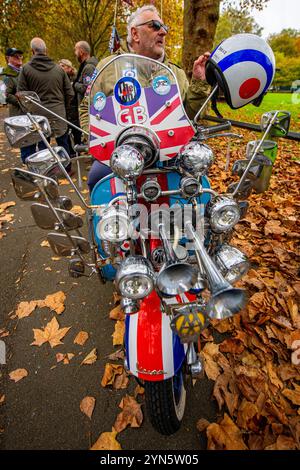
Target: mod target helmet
{"points": [[243, 66]]}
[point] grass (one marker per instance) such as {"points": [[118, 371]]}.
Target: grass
{"points": [[272, 101]]}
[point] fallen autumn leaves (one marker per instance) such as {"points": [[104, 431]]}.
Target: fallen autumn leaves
{"points": [[254, 370]]}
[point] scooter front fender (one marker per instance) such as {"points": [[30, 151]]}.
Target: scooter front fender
{"points": [[153, 351]]}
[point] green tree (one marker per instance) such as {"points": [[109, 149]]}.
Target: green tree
{"points": [[235, 21], [286, 42]]}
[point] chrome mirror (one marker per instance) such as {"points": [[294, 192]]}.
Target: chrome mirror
{"points": [[64, 245], [20, 131], [25, 98], [45, 218], [30, 186], [281, 126], [44, 162]]}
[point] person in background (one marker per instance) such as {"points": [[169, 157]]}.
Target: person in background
{"points": [[88, 64], [72, 112], [52, 85], [9, 75]]}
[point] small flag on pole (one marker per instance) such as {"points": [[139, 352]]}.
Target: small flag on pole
{"points": [[114, 42]]}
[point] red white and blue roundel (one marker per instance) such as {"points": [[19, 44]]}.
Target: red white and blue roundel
{"points": [[245, 63]]}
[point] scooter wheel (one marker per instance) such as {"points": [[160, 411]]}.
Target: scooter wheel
{"points": [[165, 402]]}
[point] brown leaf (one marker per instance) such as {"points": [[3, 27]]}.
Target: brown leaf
{"points": [[55, 302], [121, 381], [18, 374], [116, 356], [225, 435], [273, 376], [232, 346], [211, 367], [107, 441], [130, 416], [110, 373], [117, 313], [77, 210], [2, 399], [87, 406], [246, 412], [91, 358], [118, 335], [138, 391], [81, 338], [283, 443], [24, 309], [6, 205], [202, 424], [51, 333], [273, 227], [45, 243], [292, 395]]}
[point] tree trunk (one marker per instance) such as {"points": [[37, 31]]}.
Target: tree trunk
{"points": [[200, 22]]}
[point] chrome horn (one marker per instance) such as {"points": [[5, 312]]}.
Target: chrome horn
{"points": [[175, 277], [225, 300]]}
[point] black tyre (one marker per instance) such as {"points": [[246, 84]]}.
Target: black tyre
{"points": [[165, 402]]}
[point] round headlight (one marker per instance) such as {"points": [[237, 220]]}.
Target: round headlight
{"points": [[135, 277], [196, 158], [232, 263], [190, 187], [113, 225], [151, 190], [127, 162], [224, 214]]}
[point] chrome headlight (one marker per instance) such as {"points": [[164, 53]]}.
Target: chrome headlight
{"points": [[151, 190], [135, 277], [127, 162], [232, 263], [189, 186], [196, 158], [224, 213], [113, 225]]}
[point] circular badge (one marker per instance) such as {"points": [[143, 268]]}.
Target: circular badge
{"points": [[161, 85], [99, 101], [127, 91]]}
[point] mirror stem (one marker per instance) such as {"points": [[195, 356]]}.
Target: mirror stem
{"points": [[38, 129], [257, 149]]}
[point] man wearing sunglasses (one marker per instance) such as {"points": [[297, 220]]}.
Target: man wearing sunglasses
{"points": [[146, 34]]}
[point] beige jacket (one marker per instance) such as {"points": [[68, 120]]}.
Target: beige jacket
{"points": [[193, 94]]}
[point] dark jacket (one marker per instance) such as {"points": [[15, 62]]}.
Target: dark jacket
{"points": [[10, 79], [52, 85], [83, 78]]}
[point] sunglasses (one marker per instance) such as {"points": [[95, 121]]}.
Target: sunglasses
{"points": [[155, 25]]}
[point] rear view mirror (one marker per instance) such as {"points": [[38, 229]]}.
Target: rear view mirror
{"points": [[62, 245], [26, 103], [281, 126], [30, 186], [20, 131], [44, 162], [45, 218]]}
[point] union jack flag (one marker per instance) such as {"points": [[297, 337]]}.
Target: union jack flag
{"points": [[163, 114]]}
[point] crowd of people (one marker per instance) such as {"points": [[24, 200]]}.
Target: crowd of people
{"points": [[59, 86]]}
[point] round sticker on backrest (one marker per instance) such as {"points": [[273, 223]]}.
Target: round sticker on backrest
{"points": [[127, 91], [161, 85], [99, 101]]}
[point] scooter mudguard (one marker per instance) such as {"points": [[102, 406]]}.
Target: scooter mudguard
{"points": [[154, 352]]}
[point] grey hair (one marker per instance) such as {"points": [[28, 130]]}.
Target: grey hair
{"points": [[38, 46], [84, 46], [133, 19]]}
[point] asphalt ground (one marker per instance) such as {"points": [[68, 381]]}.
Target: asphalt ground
{"points": [[42, 411]]}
